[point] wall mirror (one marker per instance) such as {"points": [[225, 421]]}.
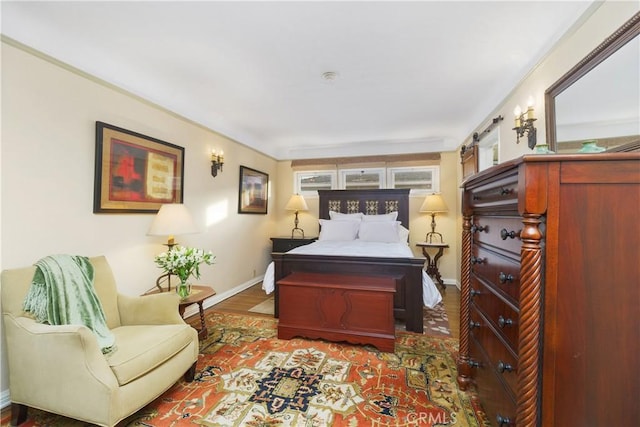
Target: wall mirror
{"points": [[598, 98]]}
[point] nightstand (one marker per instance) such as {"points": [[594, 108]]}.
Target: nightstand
{"points": [[285, 244], [432, 262]]}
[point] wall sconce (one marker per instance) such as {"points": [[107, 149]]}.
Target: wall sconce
{"points": [[524, 124], [217, 160]]}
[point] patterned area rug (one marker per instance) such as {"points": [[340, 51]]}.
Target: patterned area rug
{"points": [[247, 377]]}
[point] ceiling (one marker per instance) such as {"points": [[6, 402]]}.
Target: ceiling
{"points": [[410, 77]]}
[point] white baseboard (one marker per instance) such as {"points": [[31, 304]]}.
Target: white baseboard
{"points": [[5, 396], [193, 310], [453, 282]]}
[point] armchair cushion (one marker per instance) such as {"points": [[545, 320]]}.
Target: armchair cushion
{"points": [[143, 348]]}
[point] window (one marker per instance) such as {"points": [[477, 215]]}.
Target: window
{"points": [[307, 183], [359, 179], [419, 179]]}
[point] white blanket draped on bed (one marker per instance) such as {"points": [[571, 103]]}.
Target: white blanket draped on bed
{"points": [[430, 294]]}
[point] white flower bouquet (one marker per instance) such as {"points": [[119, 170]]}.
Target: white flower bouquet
{"points": [[184, 263]]}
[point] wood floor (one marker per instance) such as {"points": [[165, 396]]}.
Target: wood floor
{"points": [[247, 299]]}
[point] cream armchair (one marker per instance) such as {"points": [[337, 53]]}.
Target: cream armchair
{"points": [[61, 369]]}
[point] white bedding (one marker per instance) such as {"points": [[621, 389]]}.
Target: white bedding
{"points": [[430, 294]]}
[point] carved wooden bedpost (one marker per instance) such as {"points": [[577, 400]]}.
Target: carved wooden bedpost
{"points": [[464, 369]]}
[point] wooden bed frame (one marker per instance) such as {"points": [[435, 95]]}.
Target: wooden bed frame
{"points": [[407, 272]]}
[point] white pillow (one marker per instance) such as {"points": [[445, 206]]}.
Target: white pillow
{"points": [[342, 216], [403, 234], [338, 230], [392, 216], [379, 231]]}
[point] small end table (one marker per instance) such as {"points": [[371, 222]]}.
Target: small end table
{"points": [[198, 294], [432, 263]]}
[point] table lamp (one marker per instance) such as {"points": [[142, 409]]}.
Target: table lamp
{"points": [[433, 203], [171, 220], [296, 203]]}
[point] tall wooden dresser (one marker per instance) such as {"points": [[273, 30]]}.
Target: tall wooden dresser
{"points": [[550, 303]]}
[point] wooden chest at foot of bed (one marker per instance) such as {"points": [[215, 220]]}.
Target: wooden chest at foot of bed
{"points": [[338, 307]]}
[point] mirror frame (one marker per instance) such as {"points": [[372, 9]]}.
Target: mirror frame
{"points": [[628, 31]]}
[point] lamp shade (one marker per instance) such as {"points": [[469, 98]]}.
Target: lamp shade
{"points": [[296, 203], [172, 219], [434, 203]]}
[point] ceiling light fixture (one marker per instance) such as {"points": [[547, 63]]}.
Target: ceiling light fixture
{"points": [[329, 76]]}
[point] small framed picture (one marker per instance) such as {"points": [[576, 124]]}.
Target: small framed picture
{"points": [[135, 173], [253, 195]]}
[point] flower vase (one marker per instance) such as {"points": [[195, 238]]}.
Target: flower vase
{"points": [[183, 289]]}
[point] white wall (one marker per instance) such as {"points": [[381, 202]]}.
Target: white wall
{"points": [[48, 143]]}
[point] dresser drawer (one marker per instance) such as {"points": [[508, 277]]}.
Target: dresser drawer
{"points": [[499, 355], [498, 231], [501, 271], [497, 401], [498, 195], [502, 316]]}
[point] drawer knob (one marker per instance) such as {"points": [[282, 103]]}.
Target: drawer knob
{"points": [[503, 421], [503, 278], [474, 292], [473, 324], [478, 260], [505, 191], [502, 322], [476, 228], [504, 234], [474, 364], [504, 367]]}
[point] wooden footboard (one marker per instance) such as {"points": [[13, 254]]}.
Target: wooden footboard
{"points": [[407, 272]]}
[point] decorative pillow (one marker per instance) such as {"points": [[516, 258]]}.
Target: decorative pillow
{"points": [[379, 231], [338, 230], [392, 216], [342, 216]]}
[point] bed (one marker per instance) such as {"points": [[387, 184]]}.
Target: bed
{"points": [[411, 281]]}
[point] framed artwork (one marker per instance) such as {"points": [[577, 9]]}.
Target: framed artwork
{"points": [[253, 196], [135, 173]]}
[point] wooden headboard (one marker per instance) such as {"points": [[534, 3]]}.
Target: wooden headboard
{"points": [[369, 202]]}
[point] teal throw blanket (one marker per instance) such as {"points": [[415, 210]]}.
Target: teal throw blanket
{"points": [[62, 293]]}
